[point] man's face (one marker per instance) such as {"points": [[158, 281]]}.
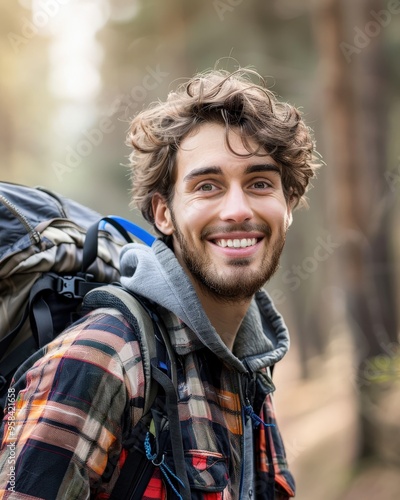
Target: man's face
{"points": [[228, 217]]}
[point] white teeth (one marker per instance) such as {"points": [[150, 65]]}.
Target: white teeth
{"points": [[236, 243]]}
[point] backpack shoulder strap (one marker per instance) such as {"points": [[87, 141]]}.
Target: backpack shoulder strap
{"points": [[134, 311], [160, 372]]}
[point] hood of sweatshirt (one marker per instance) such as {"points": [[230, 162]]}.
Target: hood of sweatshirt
{"points": [[155, 273]]}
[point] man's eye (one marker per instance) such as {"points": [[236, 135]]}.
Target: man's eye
{"points": [[207, 187], [261, 185]]}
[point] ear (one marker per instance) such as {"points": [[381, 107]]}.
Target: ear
{"points": [[290, 206], [289, 214], [162, 215]]}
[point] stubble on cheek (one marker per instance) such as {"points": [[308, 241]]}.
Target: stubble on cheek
{"points": [[232, 280]]}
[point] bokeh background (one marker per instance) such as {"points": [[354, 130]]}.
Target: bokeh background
{"points": [[72, 74]]}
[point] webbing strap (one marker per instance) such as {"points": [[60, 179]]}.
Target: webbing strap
{"points": [[19, 355], [133, 229], [6, 341], [91, 241], [135, 314], [44, 283], [171, 406], [123, 226], [135, 477]]}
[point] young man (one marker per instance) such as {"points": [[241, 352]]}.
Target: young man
{"points": [[217, 169]]}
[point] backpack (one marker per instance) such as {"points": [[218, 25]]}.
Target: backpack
{"points": [[51, 254], [57, 261]]}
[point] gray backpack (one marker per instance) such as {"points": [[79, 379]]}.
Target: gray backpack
{"points": [[57, 261], [52, 253]]}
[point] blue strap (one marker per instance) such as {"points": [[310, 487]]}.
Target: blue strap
{"points": [[167, 472], [255, 418], [135, 230]]}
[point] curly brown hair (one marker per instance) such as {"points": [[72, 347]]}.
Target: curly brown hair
{"points": [[233, 100]]}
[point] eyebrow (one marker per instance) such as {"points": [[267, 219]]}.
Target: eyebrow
{"points": [[214, 170], [200, 172], [265, 167]]}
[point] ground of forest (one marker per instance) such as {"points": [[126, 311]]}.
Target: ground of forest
{"points": [[318, 420]]}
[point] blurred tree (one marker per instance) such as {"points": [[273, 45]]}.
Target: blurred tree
{"points": [[8, 70], [355, 92], [25, 107]]}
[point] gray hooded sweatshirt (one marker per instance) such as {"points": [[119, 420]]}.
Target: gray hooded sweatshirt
{"points": [[155, 273]]}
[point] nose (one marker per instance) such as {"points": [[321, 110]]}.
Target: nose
{"points": [[235, 206]]}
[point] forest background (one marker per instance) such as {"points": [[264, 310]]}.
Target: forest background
{"points": [[72, 74]]}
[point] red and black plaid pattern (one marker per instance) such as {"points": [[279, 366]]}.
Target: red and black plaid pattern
{"points": [[64, 438]]}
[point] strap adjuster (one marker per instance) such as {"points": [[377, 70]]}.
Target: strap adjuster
{"points": [[70, 286]]}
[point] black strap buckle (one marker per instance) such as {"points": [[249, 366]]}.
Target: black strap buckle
{"points": [[70, 286]]}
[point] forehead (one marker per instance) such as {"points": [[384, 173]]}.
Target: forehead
{"points": [[207, 146]]}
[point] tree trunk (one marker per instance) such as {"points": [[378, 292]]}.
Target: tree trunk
{"points": [[353, 107]]}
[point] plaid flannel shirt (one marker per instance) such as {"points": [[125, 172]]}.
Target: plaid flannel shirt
{"points": [[69, 415]]}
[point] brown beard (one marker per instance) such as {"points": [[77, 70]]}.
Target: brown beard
{"points": [[240, 287]]}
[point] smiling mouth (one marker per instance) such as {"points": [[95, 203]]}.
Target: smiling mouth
{"points": [[236, 243]]}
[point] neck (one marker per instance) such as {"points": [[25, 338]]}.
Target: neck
{"points": [[226, 317]]}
